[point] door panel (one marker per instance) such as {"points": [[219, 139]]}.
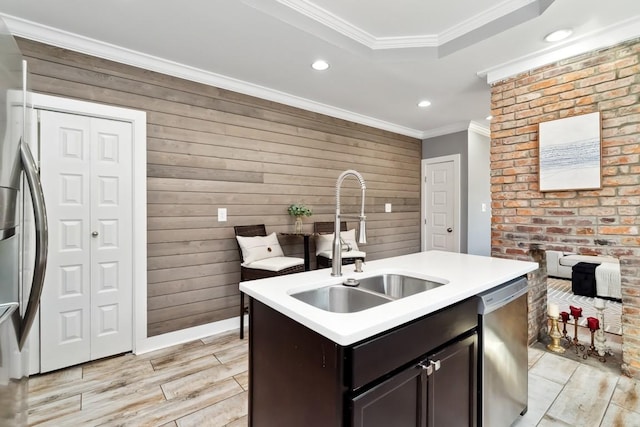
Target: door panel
{"points": [[396, 402], [440, 204], [66, 294], [452, 388], [87, 303], [111, 298]]}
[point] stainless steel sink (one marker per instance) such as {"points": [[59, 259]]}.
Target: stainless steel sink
{"points": [[397, 285], [341, 299], [365, 293]]}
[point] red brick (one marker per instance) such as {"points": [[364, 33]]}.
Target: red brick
{"points": [[618, 230], [598, 79], [605, 81]]}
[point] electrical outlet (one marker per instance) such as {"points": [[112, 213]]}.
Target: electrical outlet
{"points": [[222, 214], [387, 207]]}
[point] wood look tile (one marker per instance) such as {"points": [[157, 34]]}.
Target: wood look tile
{"points": [[225, 340], [62, 391], [182, 358], [200, 380], [133, 385], [205, 383], [51, 411], [183, 405], [127, 365], [585, 397], [243, 380], [111, 411], [240, 422], [227, 411], [231, 353], [44, 382]]}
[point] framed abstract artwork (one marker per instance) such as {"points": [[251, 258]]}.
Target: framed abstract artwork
{"points": [[570, 153]]}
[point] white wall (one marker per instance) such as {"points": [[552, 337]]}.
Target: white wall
{"points": [[479, 195]]}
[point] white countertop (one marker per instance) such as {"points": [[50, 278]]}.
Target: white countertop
{"points": [[465, 276]]}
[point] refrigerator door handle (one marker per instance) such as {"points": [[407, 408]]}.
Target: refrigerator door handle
{"points": [[40, 216]]}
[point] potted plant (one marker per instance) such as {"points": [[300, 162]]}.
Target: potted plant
{"points": [[299, 210]]}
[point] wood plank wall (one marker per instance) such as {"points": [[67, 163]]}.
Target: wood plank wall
{"points": [[211, 148]]}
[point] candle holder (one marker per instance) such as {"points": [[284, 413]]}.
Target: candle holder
{"points": [[576, 312], [593, 324], [565, 318], [601, 341], [555, 335]]}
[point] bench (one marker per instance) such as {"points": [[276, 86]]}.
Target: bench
{"points": [[560, 264]]}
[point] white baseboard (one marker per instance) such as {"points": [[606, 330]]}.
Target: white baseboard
{"points": [[185, 335]]}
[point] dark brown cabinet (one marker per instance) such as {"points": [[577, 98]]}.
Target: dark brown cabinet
{"points": [[422, 373], [437, 391]]}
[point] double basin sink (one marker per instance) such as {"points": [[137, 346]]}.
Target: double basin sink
{"points": [[357, 295]]}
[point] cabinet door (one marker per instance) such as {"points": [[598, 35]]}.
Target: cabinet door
{"points": [[399, 401], [451, 388]]}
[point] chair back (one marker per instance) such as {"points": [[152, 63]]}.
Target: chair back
{"points": [[328, 227]]}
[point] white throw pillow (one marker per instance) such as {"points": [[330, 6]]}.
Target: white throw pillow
{"points": [[324, 242], [259, 247]]}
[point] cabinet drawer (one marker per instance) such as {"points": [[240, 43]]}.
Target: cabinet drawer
{"points": [[376, 357]]}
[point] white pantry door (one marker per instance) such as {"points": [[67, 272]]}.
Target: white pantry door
{"points": [[86, 305], [440, 205]]}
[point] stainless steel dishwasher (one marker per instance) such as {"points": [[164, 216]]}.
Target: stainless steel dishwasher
{"points": [[503, 360]]}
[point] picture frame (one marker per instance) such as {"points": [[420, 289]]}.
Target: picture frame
{"points": [[570, 153]]}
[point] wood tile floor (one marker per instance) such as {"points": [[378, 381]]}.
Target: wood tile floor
{"points": [[204, 383]]}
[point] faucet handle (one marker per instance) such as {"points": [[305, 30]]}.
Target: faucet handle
{"points": [[362, 232]]}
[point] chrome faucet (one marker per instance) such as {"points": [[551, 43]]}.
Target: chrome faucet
{"points": [[336, 259]]}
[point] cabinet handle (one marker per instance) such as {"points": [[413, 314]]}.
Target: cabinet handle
{"points": [[435, 365], [425, 367]]}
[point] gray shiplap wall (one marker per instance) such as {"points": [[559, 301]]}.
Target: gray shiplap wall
{"points": [[210, 148]]}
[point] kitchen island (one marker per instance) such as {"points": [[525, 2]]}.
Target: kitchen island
{"points": [[309, 366]]}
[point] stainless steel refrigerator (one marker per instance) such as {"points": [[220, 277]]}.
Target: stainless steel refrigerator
{"points": [[23, 235]]}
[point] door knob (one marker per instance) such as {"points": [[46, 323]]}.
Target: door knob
{"points": [[449, 230], [94, 234]]}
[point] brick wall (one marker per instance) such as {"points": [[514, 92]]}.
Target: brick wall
{"points": [[603, 222]]}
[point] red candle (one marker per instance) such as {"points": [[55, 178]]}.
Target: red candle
{"points": [[593, 324], [565, 316], [576, 312]]}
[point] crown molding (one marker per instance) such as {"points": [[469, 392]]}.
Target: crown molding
{"points": [[604, 37], [485, 19], [445, 130], [55, 37], [479, 128]]}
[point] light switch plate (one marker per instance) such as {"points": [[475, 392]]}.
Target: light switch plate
{"points": [[387, 207], [222, 214]]}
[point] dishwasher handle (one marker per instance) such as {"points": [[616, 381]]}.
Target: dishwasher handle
{"points": [[495, 299]]}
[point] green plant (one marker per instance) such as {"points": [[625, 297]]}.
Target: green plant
{"points": [[298, 210]]}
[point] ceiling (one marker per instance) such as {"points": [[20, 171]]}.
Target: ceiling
{"points": [[383, 59]]}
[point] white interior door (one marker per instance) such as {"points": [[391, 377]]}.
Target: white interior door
{"points": [[441, 204], [111, 231], [86, 306]]}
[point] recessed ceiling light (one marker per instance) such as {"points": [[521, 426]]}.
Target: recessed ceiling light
{"points": [[320, 65], [558, 35], [424, 104]]}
